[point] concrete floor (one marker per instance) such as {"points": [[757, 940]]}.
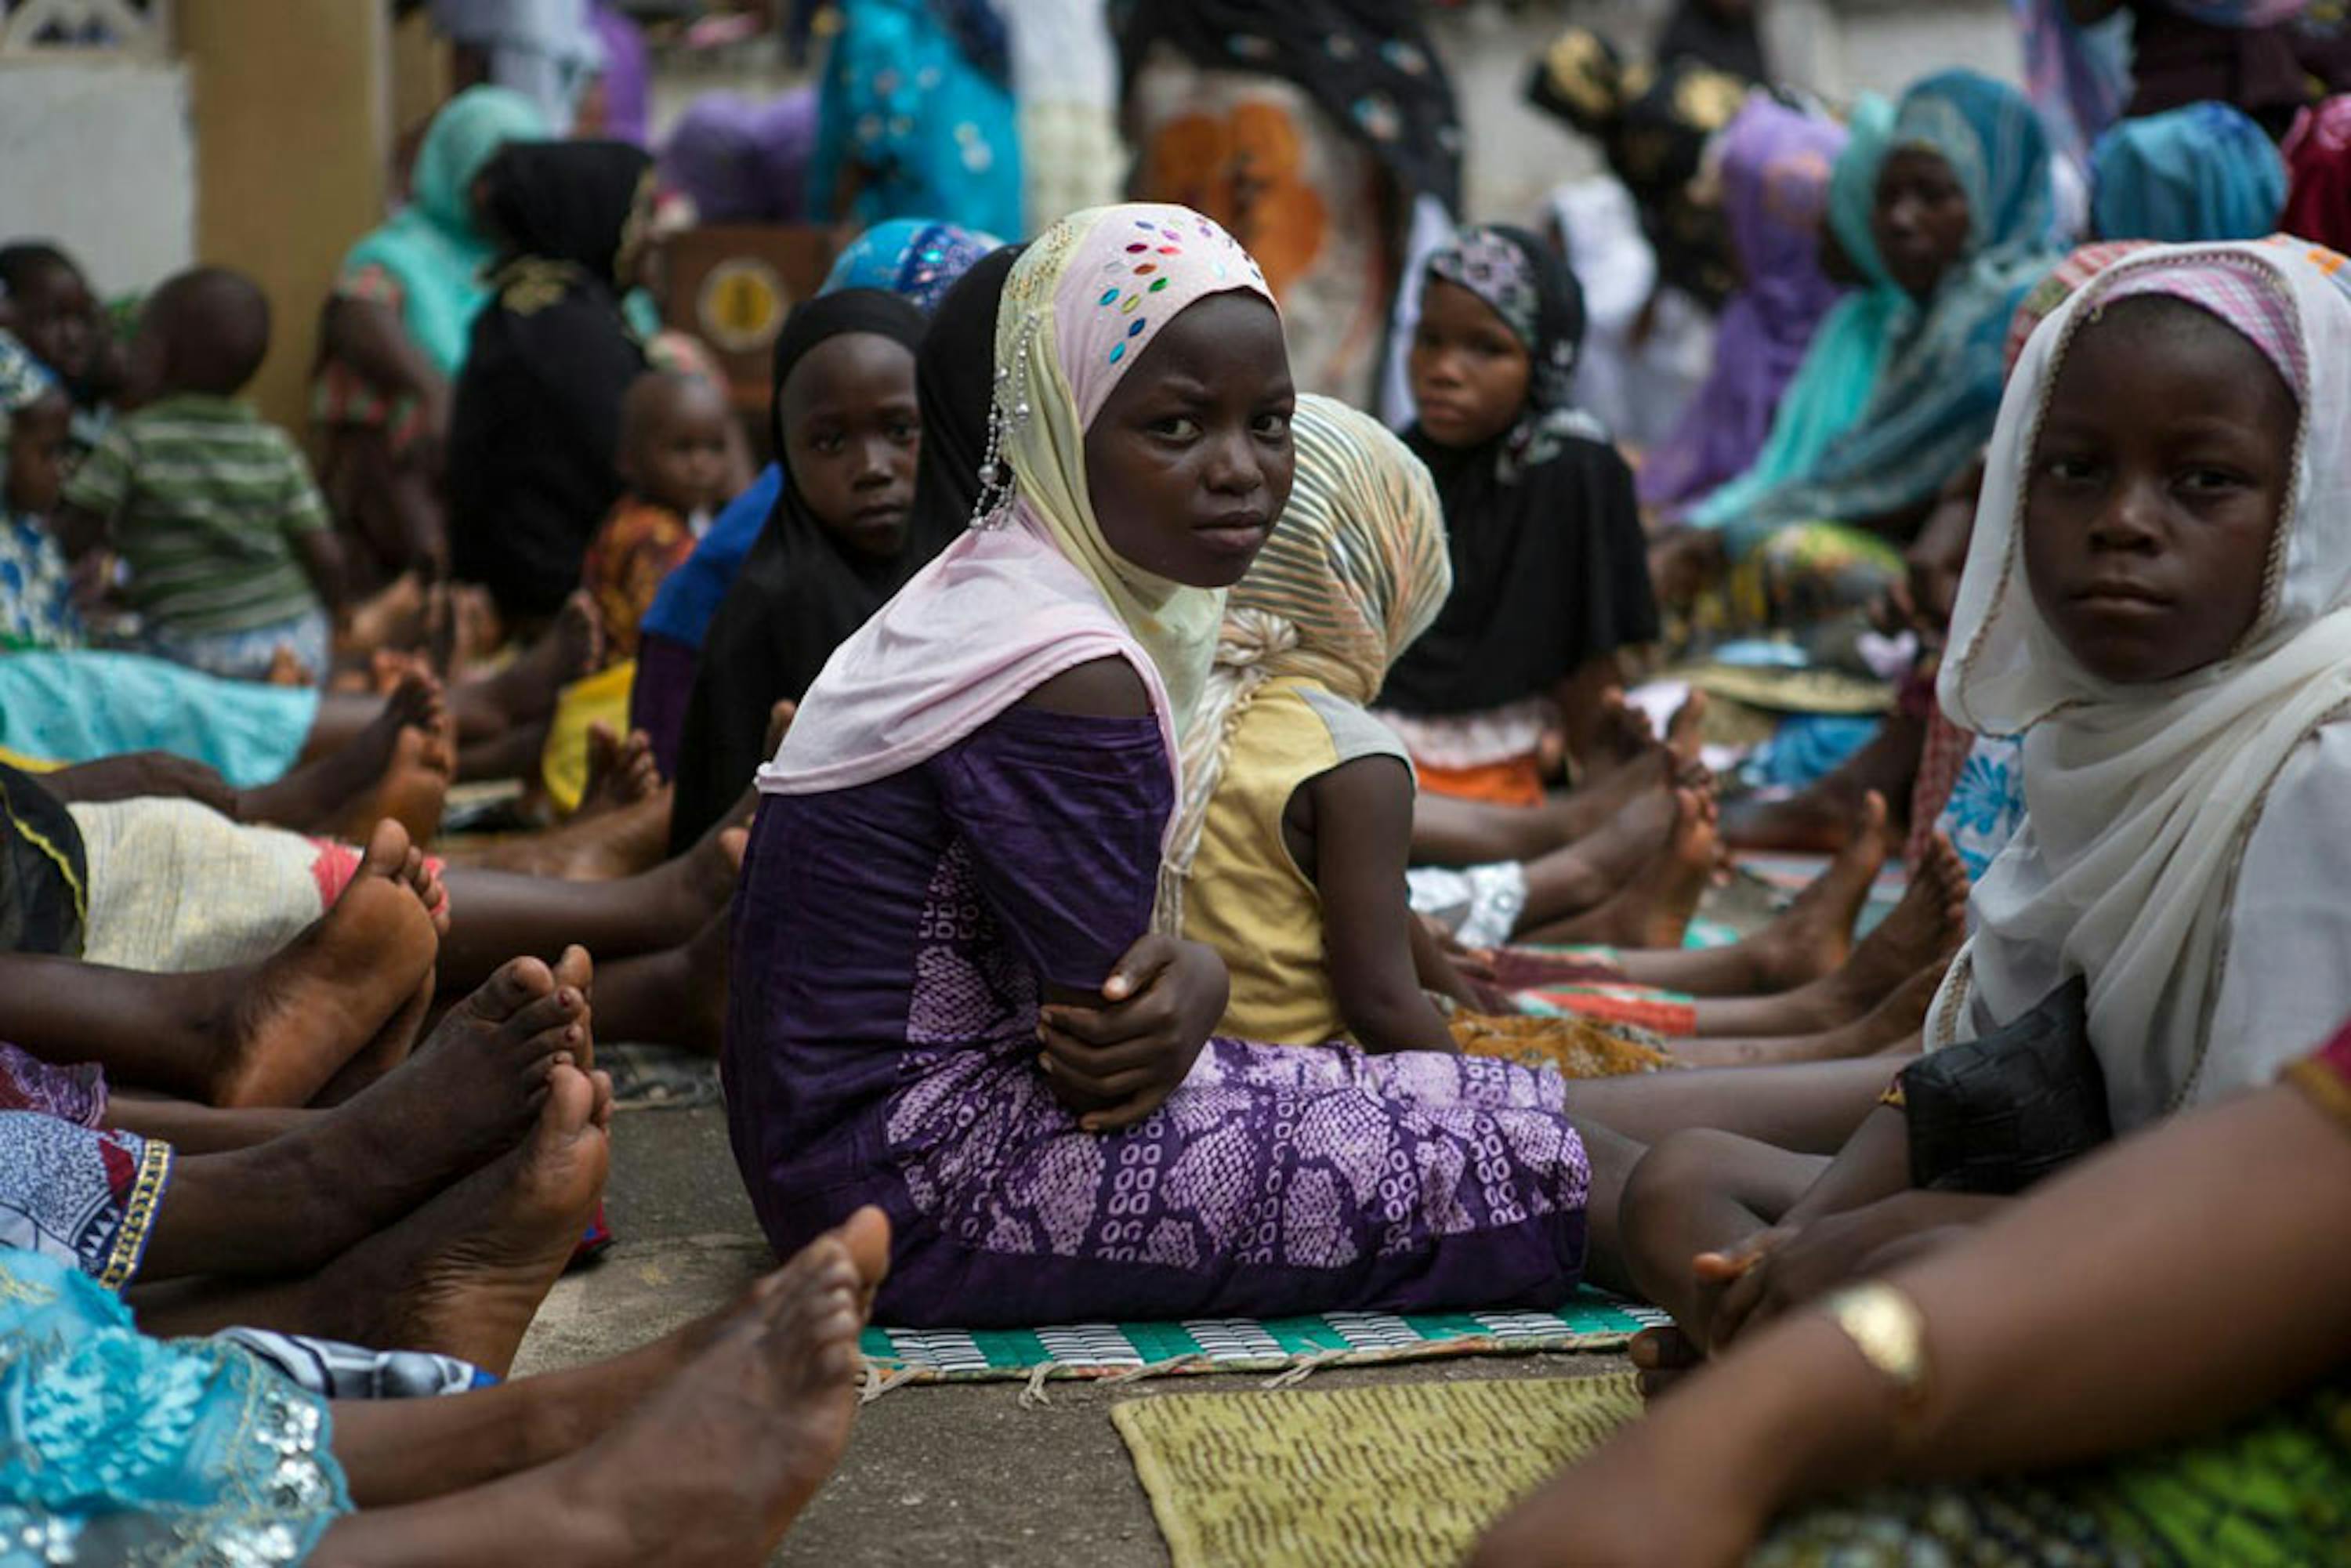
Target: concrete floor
{"points": [[955, 1474]]}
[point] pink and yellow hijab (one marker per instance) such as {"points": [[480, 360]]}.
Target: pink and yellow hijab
{"points": [[1033, 590]]}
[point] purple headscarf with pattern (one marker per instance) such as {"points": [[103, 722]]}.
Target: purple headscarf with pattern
{"points": [[1776, 162]]}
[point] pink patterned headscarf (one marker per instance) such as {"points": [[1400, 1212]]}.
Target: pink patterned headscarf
{"points": [[2243, 294], [1035, 590]]}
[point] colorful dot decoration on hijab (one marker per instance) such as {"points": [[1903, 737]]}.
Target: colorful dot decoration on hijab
{"points": [[1146, 256], [1487, 265]]}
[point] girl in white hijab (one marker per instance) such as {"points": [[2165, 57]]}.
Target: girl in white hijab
{"points": [[2158, 594]]}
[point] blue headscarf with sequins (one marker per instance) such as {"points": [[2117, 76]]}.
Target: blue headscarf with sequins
{"points": [[917, 259]]}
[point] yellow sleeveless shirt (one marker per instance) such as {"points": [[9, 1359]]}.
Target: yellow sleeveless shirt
{"points": [[1247, 898]]}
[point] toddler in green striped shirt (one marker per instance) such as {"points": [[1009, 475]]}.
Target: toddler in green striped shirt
{"points": [[230, 551]]}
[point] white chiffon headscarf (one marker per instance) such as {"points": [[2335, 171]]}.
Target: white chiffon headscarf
{"points": [[2140, 797]]}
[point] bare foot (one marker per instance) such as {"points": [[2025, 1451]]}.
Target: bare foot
{"points": [[470, 1091], [1815, 936], [330, 793], [1685, 732], [626, 842], [290, 1022], [677, 997], [1621, 736], [464, 1274], [286, 669], [1818, 821], [415, 786], [1891, 1025], [524, 692], [621, 772], [716, 1465], [1927, 926], [1654, 909], [396, 616], [1664, 1356]]}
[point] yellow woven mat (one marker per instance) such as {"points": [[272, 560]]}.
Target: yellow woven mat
{"points": [[1400, 1476]]}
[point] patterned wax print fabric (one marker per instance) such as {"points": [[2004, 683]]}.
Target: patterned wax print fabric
{"points": [[1275, 1179], [116, 1447], [71, 1191]]}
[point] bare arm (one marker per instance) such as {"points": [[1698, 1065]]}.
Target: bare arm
{"points": [[2052, 1335], [321, 554], [367, 335], [1363, 837]]}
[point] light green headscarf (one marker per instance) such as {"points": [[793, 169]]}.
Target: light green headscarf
{"points": [[432, 245], [1841, 368]]}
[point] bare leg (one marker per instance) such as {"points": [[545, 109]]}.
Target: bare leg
{"points": [[1446, 831], [1811, 1107], [1886, 1026], [1701, 1191], [1819, 819], [290, 1204], [319, 795], [1589, 872], [1654, 909], [674, 998], [496, 915], [271, 1033], [1811, 940], [1925, 929]]}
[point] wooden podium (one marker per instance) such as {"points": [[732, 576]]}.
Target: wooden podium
{"points": [[731, 285]]}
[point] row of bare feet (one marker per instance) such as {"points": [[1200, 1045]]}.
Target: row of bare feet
{"points": [[1645, 831]]}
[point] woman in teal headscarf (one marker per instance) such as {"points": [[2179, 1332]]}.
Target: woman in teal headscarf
{"points": [[1962, 222], [394, 338], [915, 117], [2204, 173], [1840, 370]]}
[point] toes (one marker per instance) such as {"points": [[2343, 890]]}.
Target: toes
{"points": [[387, 851], [576, 969], [570, 1106], [517, 984], [867, 1236], [545, 1015]]}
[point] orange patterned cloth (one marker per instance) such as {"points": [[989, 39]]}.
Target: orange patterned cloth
{"points": [[638, 546], [1576, 1046]]}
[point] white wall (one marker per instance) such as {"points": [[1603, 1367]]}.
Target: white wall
{"points": [[96, 152]]}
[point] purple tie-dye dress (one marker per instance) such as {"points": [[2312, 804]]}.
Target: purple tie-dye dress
{"points": [[881, 1046]]}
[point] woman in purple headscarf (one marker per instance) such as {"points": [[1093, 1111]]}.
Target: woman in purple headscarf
{"points": [[1775, 176], [741, 160]]}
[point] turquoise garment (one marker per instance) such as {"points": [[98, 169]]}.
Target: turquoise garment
{"points": [[432, 245], [1840, 369], [116, 1447], [1934, 405], [78, 707], [2202, 173], [931, 130]]}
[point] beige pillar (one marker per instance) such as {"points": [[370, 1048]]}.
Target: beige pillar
{"points": [[291, 100]]}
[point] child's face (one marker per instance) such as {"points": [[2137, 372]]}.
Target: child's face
{"points": [[1188, 463], [2164, 459], [676, 454], [1921, 221], [1468, 370], [36, 455], [852, 429], [58, 320]]}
